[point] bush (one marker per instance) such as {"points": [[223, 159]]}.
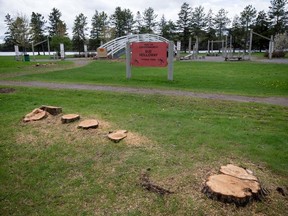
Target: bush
{"points": [[276, 54]]}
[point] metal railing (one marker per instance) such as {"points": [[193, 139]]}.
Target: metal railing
{"points": [[119, 44]]}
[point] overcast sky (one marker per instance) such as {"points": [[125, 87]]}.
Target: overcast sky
{"points": [[71, 8]]}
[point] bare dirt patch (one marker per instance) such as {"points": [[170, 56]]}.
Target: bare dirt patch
{"points": [[7, 90]]}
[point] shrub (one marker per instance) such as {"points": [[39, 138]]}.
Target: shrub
{"points": [[276, 54]]}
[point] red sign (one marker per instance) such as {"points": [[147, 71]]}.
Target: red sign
{"points": [[149, 54]]}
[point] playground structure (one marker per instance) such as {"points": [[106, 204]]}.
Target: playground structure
{"points": [[271, 43], [227, 49], [117, 47], [41, 42]]}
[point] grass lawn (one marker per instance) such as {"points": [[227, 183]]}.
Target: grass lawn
{"points": [[242, 78], [47, 168], [9, 67]]}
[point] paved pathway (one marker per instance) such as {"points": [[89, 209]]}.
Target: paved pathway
{"points": [[282, 101]]}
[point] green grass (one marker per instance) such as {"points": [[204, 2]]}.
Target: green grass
{"points": [[52, 169], [47, 168], [10, 67], [242, 78]]}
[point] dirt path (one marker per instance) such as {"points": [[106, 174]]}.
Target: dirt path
{"points": [[282, 101]]}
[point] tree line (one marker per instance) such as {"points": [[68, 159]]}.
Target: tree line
{"points": [[191, 22]]}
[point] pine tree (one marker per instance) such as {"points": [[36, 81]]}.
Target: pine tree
{"points": [[149, 20], [167, 28], [79, 32], [37, 29], [8, 39], [183, 24], [210, 30], [99, 29], [247, 19], [278, 15], [57, 26], [198, 21], [122, 21], [262, 27], [221, 21]]}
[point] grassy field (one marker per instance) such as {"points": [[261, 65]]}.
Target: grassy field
{"points": [[242, 78], [47, 168], [9, 67]]}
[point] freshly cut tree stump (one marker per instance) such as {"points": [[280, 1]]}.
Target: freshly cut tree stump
{"points": [[51, 109], [90, 123], [116, 136], [69, 118], [235, 185], [237, 172], [35, 115]]}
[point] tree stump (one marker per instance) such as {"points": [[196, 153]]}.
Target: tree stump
{"points": [[116, 136], [234, 185], [90, 123], [35, 115], [51, 109], [69, 118]]}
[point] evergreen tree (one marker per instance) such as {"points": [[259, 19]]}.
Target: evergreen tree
{"points": [[237, 33], [247, 19], [57, 26], [37, 29], [278, 14], [149, 20], [262, 27], [221, 21], [8, 39], [122, 21], [210, 30], [99, 29], [183, 24], [198, 21], [79, 35], [139, 29], [167, 28]]}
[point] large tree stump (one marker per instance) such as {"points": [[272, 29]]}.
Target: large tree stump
{"points": [[69, 118], [51, 109], [35, 115], [237, 172], [116, 136], [235, 185], [90, 123]]}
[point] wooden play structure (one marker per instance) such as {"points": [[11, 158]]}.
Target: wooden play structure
{"points": [[271, 43], [41, 42]]}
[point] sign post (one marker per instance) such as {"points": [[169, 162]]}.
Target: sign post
{"points": [[170, 60], [85, 51], [128, 60], [62, 52], [16, 47]]}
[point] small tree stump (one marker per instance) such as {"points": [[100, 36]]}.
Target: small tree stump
{"points": [[51, 109], [234, 185], [35, 115], [90, 123], [116, 136], [69, 118]]}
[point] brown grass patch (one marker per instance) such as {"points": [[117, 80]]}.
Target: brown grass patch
{"points": [[49, 130]]}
